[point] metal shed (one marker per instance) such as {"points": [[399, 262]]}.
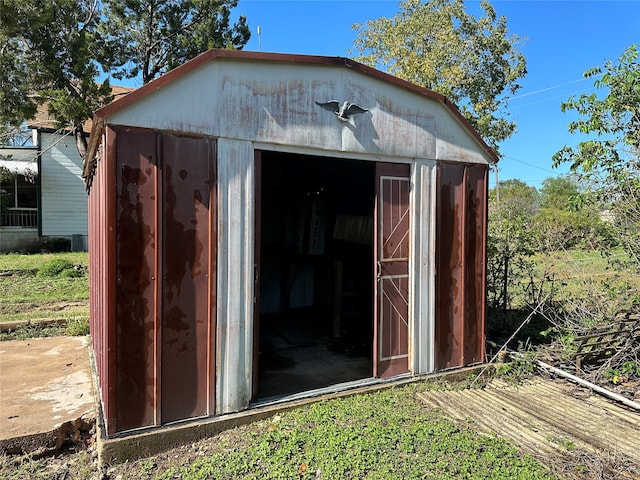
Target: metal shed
{"points": [[253, 235]]}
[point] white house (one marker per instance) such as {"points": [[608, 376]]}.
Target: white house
{"points": [[46, 199]]}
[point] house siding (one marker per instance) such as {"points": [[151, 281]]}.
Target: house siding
{"points": [[64, 199]]}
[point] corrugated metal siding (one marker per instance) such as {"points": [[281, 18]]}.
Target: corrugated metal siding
{"points": [[101, 273], [151, 241], [474, 263], [64, 199], [422, 306], [188, 296], [275, 103], [460, 264], [136, 278], [236, 187]]}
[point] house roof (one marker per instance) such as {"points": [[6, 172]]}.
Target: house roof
{"points": [[43, 121], [102, 114]]}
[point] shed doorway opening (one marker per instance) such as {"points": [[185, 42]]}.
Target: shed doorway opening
{"points": [[315, 261]]}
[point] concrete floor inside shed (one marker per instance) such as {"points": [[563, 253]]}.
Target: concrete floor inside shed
{"points": [[297, 354]]}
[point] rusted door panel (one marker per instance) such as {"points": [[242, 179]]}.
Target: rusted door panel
{"points": [[449, 256], [474, 298], [185, 277], [135, 278], [391, 331], [460, 270]]}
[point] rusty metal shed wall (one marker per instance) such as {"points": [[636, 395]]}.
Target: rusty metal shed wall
{"points": [[153, 302], [173, 227], [274, 102], [460, 264], [102, 273]]}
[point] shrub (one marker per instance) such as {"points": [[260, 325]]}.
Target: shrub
{"points": [[58, 267]]}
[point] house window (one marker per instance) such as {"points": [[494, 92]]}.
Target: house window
{"points": [[18, 202]]}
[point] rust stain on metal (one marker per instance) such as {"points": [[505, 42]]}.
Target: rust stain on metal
{"points": [[135, 277], [156, 345], [460, 269], [185, 294]]}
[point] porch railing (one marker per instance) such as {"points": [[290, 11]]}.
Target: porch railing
{"points": [[19, 217]]}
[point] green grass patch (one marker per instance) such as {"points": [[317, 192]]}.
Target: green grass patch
{"points": [[19, 262], [43, 286], [389, 434]]}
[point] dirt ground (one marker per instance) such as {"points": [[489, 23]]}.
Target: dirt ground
{"points": [[568, 447]]}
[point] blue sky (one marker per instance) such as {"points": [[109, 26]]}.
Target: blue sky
{"points": [[562, 40]]}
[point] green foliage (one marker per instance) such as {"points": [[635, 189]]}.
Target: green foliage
{"points": [[608, 161], [59, 267], [473, 61], [623, 373], [14, 103], [77, 327], [27, 296], [510, 240], [520, 367], [383, 435], [147, 38], [54, 52], [53, 46]]}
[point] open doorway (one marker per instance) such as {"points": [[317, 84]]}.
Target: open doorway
{"points": [[315, 322]]}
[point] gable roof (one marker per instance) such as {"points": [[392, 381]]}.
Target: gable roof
{"points": [[102, 114]]}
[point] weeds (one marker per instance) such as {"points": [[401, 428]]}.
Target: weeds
{"points": [[60, 267], [383, 435]]}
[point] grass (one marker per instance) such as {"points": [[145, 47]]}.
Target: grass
{"points": [[580, 273], [388, 434], [31, 290]]}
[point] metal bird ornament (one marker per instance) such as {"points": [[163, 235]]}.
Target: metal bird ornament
{"points": [[342, 111]]}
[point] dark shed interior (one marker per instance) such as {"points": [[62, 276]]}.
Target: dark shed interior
{"points": [[316, 272]]}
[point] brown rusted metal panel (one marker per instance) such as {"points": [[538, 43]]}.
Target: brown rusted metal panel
{"points": [[186, 204], [391, 331], [460, 264], [136, 277], [449, 258], [474, 265]]}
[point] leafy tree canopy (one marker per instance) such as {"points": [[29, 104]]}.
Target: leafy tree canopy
{"points": [[148, 38], [47, 57], [559, 193], [613, 121], [515, 198], [609, 161], [55, 52], [475, 62]]}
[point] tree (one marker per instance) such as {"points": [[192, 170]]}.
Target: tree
{"points": [[48, 57], [52, 52], [147, 38], [609, 161], [560, 193], [472, 61], [510, 240]]}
